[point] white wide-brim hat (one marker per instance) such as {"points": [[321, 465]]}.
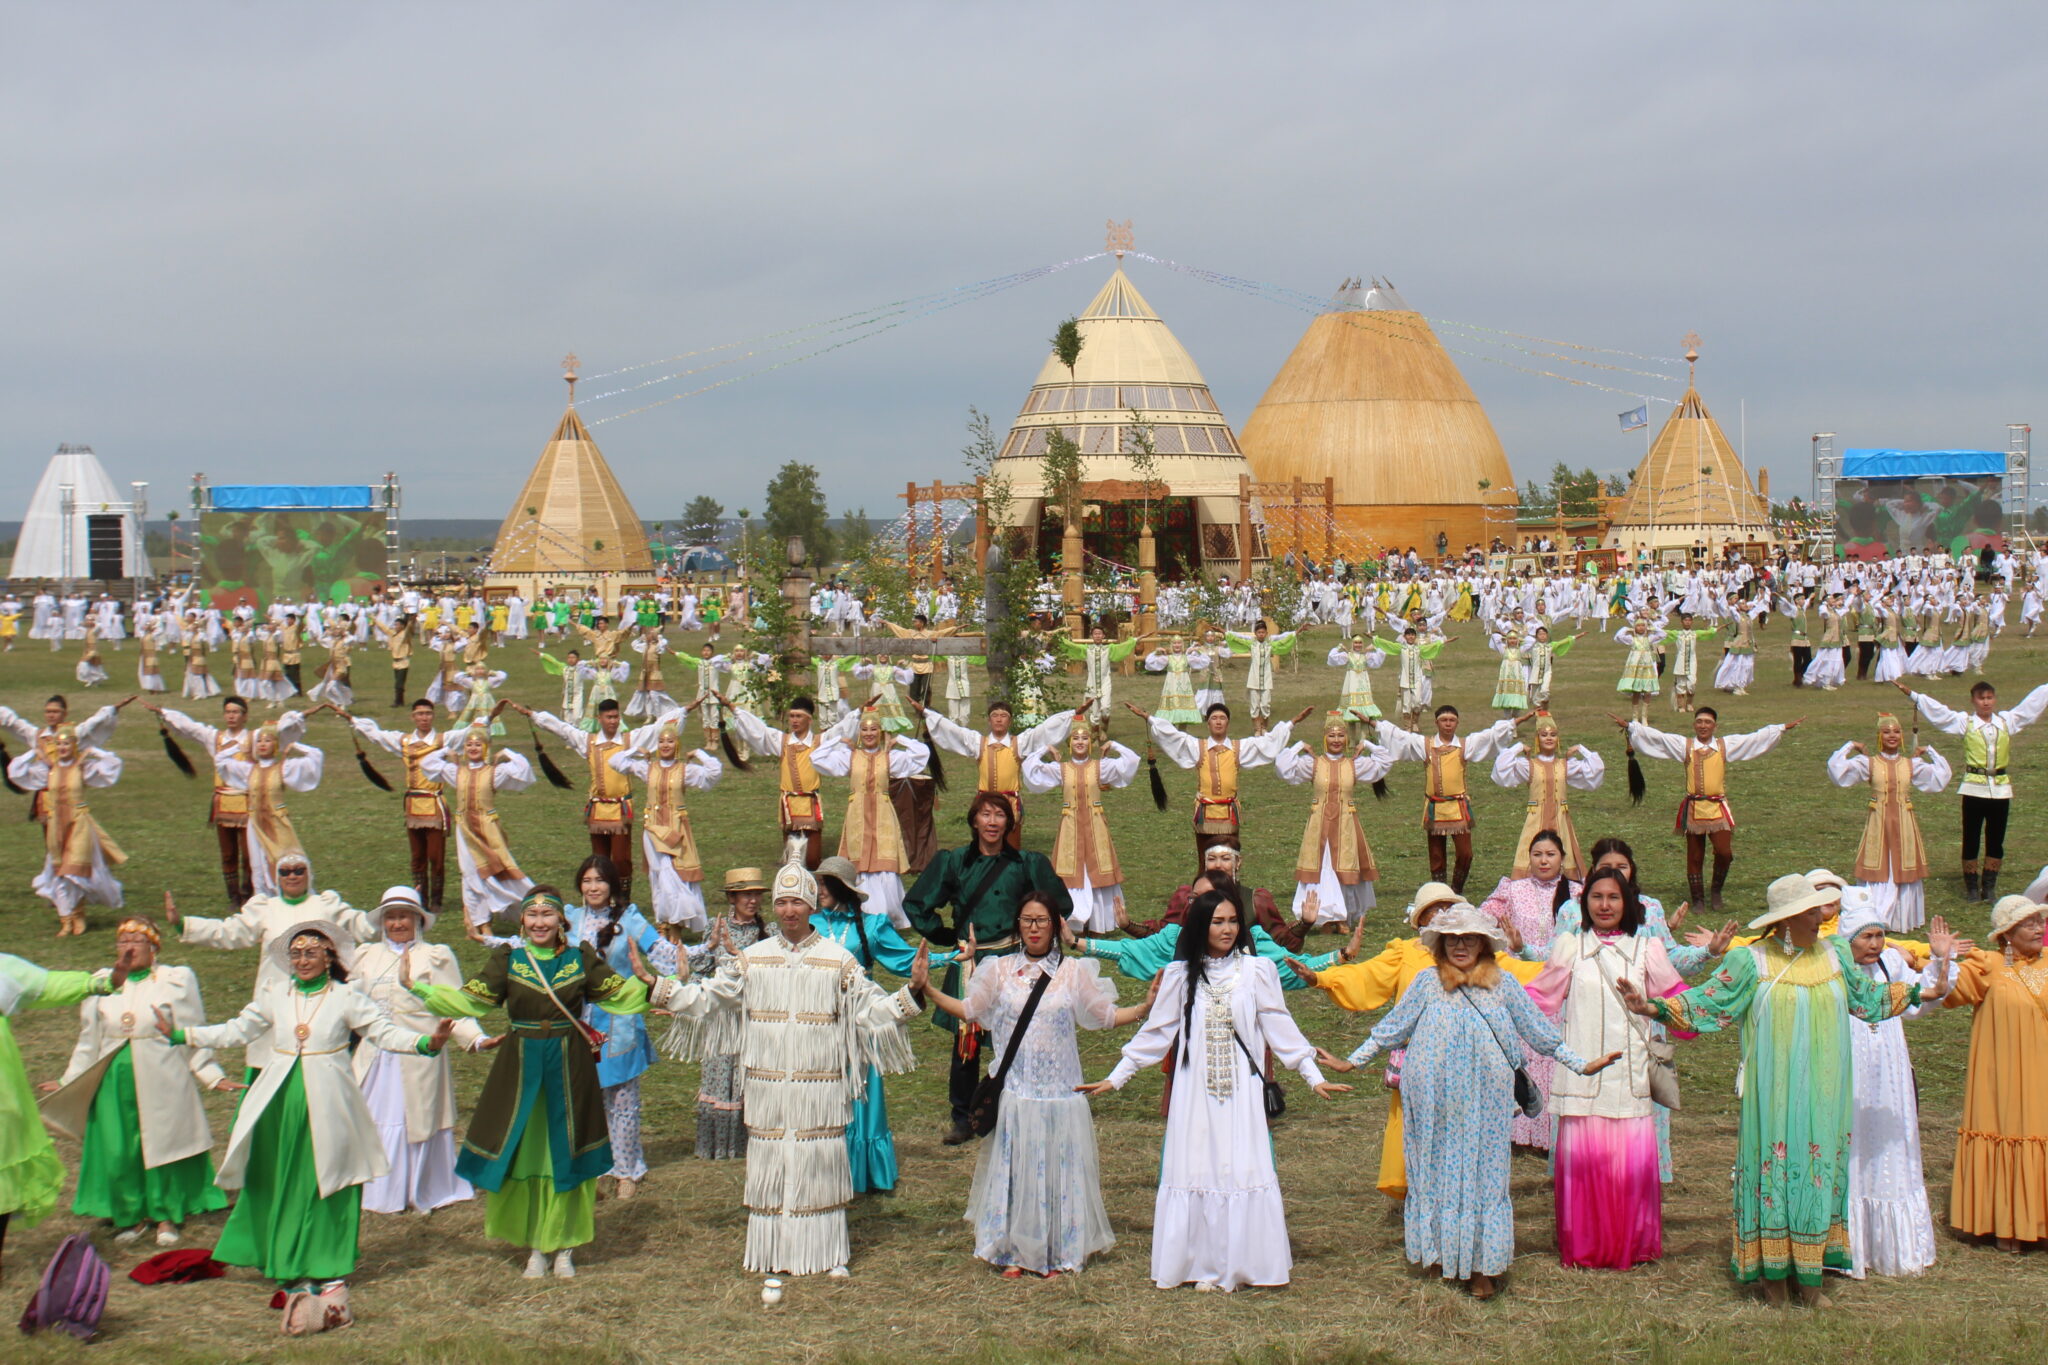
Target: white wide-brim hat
{"points": [[1462, 918], [401, 898], [278, 950]]}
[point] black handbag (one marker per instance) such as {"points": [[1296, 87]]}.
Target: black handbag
{"points": [[988, 1096], [1276, 1098], [1528, 1098]]}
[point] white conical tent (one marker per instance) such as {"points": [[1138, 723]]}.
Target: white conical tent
{"points": [[44, 551]]}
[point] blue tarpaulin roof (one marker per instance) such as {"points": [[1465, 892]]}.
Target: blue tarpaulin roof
{"points": [[1921, 464], [242, 497]]}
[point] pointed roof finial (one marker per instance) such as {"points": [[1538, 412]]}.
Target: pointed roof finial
{"points": [[1691, 343], [569, 364], [1119, 238]]}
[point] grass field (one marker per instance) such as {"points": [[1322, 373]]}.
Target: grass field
{"points": [[663, 1280]]}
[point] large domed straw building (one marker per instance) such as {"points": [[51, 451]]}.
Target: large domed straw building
{"points": [[1371, 399], [571, 525], [1691, 488], [1130, 360]]}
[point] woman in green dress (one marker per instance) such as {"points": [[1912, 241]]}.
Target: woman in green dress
{"points": [[30, 1174], [304, 1142], [1793, 992], [538, 1141], [131, 1098]]}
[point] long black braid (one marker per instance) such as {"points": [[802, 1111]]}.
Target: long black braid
{"points": [[615, 894]]}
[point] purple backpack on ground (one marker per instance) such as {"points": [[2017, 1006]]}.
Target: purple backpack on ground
{"points": [[73, 1293]]}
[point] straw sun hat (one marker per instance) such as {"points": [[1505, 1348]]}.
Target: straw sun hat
{"points": [[2009, 911], [1792, 895], [1430, 895]]}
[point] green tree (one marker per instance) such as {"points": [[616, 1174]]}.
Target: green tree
{"points": [[702, 518], [856, 533], [1066, 345], [796, 507], [1061, 471]]}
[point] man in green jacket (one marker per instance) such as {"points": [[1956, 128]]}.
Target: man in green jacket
{"points": [[983, 882]]}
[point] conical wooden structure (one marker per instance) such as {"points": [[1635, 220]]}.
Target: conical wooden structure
{"points": [[1131, 360], [1371, 399], [571, 525], [1691, 489]]}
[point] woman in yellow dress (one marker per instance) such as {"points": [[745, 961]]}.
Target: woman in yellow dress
{"points": [[2001, 1166]]}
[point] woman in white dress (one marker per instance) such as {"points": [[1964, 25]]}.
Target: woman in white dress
{"points": [[1218, 1221], [1891, 1227], [492, 882], [76, 851], [411, 1097], [1036, 1204]]}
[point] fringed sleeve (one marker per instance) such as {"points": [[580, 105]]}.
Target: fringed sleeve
{"points": [[879, 1036], [708, 1019]]}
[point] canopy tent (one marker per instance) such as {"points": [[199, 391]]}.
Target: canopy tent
{"points": [[45, 548]]}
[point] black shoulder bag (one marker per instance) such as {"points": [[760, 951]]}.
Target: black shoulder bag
{"points": [[1528, 1098], [988, 1096], [1276, 1098]]}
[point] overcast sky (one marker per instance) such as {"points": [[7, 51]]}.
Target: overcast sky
{"points": [[315, 242]]}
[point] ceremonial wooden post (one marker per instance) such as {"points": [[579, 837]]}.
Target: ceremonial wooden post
{"points": [[1147, 622], [938, 532], [1244, 526], [1329, 520], [910, 532], [796, 595], [1070, 567]]}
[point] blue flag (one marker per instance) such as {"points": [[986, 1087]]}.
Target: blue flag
{"points": [[1636, 418]]}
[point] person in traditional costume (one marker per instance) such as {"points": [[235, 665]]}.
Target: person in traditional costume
{"points": [[1260, 649], [1511, 681], [1412, 674], [423, 803], [397, 638], [1526, 907], [1987, 782], [333, 686], [871, 836], [411, 1098], [1447, 804], [1794, 995], [608, 801], [650, 698], [270, 679], [1704, 815], [472, 696], [241, 648], [810, 1025], [1083, 853], [1218, 1220], [1177, 692], [675, 870], [78, 856], [263, 773], [131, 1099], [492, 883], [1458, 1025], [1548, 773], [1099, 659], [1639, 672], [606, 921], [258, 922], [538, 1140], [1354, 692], [2001, 1160], [999, 752], [1380, 980], [1036, 1203], [1218, 760], [844, 918], [1891, 1228], [1683, 642], [304, 1142], [1334, 870], [1827, 671], [983, 883], [1891, 861], [149, 675], [31, 1176], [199, 682], [1609, 1190], [721, 1084], [799, 808], [229, 811], [1543, 656], [884, 701]]}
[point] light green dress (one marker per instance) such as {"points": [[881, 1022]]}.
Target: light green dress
{"points": [[1791, 1180], [30, 1173]]}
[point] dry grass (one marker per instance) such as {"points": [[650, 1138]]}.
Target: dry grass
{"points": [[663, 1280]]}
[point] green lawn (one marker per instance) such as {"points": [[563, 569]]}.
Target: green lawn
{"points": [[663, 1280]]}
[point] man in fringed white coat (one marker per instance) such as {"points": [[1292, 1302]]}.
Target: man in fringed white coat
{"points": [[808, 1023]]}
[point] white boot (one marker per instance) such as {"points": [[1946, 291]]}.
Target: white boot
{"points": [[537, 1266], [565, 1267]]}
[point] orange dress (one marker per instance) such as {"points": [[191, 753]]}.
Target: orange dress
{"points": [[2001, 1170]]}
